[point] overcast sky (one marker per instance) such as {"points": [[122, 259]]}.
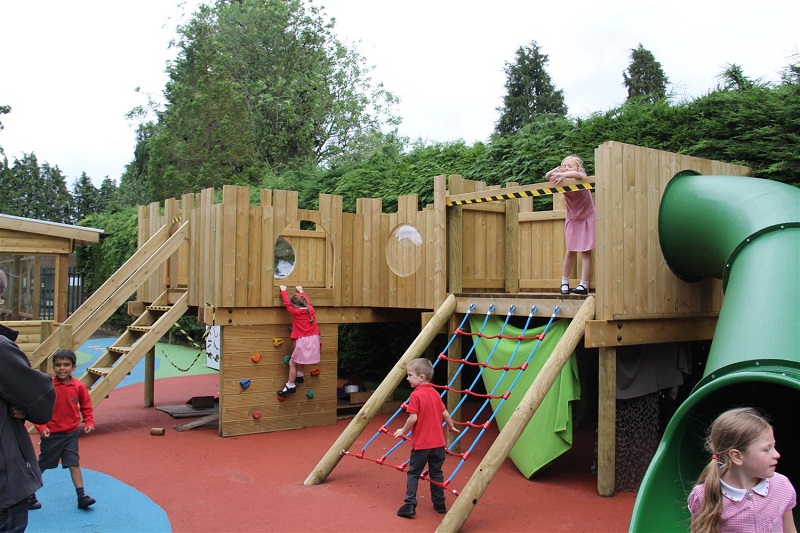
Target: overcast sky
{"points": [[69, 69]]}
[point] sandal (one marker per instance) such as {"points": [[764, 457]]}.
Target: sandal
{"points": [[564, 288], [299, 379], [580, 289]]}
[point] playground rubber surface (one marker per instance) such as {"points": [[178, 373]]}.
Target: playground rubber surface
{"points": [[196, 481]]}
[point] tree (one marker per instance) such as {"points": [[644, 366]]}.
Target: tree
{"points": [[107, 196], [644, 77], [258, 88], [85, 197], [530, 92], [35, 191], [733, 78]]}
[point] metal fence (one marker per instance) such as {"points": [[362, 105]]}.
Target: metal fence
{"points": [[75, 294]]}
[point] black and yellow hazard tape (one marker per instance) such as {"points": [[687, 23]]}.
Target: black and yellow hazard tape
{"points": [[544, 191]]}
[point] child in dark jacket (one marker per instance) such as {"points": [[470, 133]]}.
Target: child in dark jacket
{"points": [[25, 394]]}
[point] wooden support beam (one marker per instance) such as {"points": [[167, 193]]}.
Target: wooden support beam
{"points": [[243, 316], [150, 377], [486, 470], [545, 303], [607, 422], [632, 332], [381, 394]]}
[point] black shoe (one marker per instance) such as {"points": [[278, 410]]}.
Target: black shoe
{"points": [[33, 503], [439, 508], [286, 391], [406, 511], [564, 288], [299, 379], [580, 289], [85, 501]]}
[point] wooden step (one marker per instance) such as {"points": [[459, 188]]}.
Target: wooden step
{"points": [[119, 349], [99, 370], [159, 307], [143, 329]]}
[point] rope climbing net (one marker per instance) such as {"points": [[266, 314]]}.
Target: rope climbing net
{"points": [[523, 352]]}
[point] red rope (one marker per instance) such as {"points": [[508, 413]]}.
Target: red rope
{"points": [[402, 468], [443, 357], [460, 331]]}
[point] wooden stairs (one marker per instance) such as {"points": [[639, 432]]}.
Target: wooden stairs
{"points": [[143, 334], [139, 338]]}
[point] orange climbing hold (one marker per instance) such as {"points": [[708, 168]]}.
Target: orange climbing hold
{"points": [[316, 371], [256, 414], [256, 358]]}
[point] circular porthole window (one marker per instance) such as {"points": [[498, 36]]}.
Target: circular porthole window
{"points": [[404, 250], [284, 258]]}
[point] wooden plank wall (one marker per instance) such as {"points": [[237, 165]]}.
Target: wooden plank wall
{"points": [[541, 245], [633, 279], [341, 259], [256, 409]]}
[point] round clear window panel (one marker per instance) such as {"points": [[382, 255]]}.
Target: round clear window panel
{"points": [[404, 250], [284, 258]]}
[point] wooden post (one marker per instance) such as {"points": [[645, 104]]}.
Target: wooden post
{"points": [[379, 397], [61, 280], [440, 240], [150, 377], [512, 246], [486, 470], [607, 422], [455, 242]]}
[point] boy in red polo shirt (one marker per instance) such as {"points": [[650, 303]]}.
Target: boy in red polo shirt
{"points": [[426, 411], [59, 437]]}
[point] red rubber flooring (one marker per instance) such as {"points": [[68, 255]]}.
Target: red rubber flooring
{"points": [[255, 483]]}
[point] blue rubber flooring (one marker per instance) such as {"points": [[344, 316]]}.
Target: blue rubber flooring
{"points": [[120, 507]]}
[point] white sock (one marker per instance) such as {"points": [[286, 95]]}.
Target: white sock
{"points": [[564, 281], [300, 374], [584, 284], [290, 385]]}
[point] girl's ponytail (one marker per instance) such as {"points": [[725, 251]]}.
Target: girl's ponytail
{"points": [[706, 519]]}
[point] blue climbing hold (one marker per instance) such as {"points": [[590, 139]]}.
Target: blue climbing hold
{"points": [[244, 383], [309, 394], [287, 359]]}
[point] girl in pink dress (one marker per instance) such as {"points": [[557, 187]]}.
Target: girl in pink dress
{"points": [[739, 490], [305, 334], [579, 227]]}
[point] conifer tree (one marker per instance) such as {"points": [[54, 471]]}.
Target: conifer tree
{"points": [[644, 78]]}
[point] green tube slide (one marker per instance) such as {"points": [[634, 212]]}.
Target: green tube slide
{"points": [[745, 231]]}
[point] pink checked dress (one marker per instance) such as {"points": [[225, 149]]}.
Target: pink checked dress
{"points": [[579, 228]]}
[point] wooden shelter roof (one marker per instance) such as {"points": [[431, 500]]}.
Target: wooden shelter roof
{"points": [[27, 235]]}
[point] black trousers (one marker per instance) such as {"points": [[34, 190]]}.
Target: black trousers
{"points": [[434, 458]]}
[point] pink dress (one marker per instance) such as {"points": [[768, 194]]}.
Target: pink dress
{"points": [[579, 227]]}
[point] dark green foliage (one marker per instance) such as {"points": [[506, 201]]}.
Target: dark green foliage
{"points": [[258, 88], [96, 263], [530, 92], [365, 354], [644, 78], [35, 191], [85, 196]]}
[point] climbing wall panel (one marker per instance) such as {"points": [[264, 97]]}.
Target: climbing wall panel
{"points": [[252, 369]]}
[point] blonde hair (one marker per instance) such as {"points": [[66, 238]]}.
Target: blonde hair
{"points": [[735, 429], [577, 159], [421, 366]]}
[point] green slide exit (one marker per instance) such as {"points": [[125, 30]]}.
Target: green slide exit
{"points": [[745, 231]]}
